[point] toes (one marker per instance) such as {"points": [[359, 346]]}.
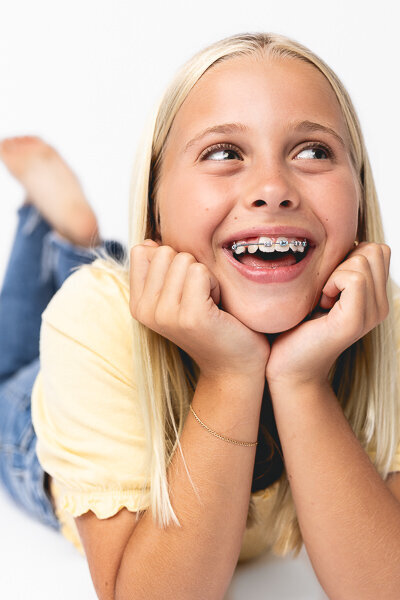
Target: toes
{"points": [[24, 147], [32, 140], [20, 141]]}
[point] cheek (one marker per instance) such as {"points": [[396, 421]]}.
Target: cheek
{"points": [[191, 209], [341, 232], [337, 211], [190, 214]]}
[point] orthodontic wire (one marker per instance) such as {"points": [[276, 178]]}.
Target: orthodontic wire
{"points": [[282, 243]]}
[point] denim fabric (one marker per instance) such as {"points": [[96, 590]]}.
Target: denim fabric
{"points": [[39, 263]]}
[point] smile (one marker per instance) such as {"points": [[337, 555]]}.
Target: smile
{"points": [[267, 244], [270, 259]]}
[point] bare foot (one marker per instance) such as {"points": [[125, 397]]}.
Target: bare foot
{"points": [[52, 187]]}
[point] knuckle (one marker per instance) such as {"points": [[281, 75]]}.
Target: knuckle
{"points": [[376, 249], [372, 246], [187, 320], [357, 278], [185, 256], [136, 250], [197, 268], [183, 259], [167, 250], [360, 259]]}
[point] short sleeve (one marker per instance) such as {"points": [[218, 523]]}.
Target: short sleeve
{"points": [[85, 410]]}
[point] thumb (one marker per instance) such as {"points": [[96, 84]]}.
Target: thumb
{"points": [[330, 291], [327, 302]]}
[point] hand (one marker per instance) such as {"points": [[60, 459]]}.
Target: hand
{"points": [[307, 352], [176, 296]]}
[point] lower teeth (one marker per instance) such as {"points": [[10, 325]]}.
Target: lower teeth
{"points": [[267, 262], [259, 267]]}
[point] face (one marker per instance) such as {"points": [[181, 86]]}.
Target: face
{"points": [[271, 171]]}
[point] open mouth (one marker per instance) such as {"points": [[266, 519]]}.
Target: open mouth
{"points": [[269, 252], [271, 260]]}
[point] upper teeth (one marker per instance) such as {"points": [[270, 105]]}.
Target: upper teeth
{"points": [[267, 244]]}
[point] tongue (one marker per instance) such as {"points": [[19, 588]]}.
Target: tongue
{"points": [[285, 260]]}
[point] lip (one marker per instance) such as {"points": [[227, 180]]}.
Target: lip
{"points": [[278, 230], [265, 275]]}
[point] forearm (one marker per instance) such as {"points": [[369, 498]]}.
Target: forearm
{"points": [[349, 520], [197, 560]]}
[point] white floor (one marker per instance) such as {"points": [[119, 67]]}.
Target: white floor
{"points": [[37, 563]]}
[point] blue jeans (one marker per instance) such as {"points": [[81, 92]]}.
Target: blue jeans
{"points": [[39, 263]]}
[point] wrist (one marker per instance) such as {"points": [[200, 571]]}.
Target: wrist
{"points": [[298, 384], [229, 405], [234, 385], [254, 379]]}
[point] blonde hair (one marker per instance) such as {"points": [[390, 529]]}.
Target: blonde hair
{"points": [[364, 377]]}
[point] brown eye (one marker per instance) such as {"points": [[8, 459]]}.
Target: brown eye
{"points": [[221, 150], [315, 151]]}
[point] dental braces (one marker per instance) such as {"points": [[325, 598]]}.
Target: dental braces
{"points": [[281, 243]]}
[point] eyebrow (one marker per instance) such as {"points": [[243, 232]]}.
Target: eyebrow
{"points": [[241, 128], [224, 128]]}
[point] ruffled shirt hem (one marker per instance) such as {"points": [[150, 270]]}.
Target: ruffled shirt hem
{"points": [[104, 504]]}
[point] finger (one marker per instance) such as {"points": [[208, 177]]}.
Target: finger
{"points": [[170, 300], [352, 304], [357, 263], [376, 261], [378, 256], [157, 271], [149, 242], [171, 293], [387, 253], [200, 286], [140, 259], [327, 303]]}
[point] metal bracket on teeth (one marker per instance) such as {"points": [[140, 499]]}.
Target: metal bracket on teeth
{"points": [[269, 244]]}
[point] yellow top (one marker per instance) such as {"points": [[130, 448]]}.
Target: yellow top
{"points": [[85, 410]]}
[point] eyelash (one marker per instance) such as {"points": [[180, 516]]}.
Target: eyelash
{"points": [[227, 146]]}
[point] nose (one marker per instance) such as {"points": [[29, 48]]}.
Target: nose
{"points": [[273, 190]]}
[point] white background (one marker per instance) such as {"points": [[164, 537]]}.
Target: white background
{"points": [[83, 75]]}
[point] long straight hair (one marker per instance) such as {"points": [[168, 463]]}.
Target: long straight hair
{"points": [[364, 377]]}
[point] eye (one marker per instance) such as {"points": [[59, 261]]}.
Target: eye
{"points": [[223, 150], [318, 151]]}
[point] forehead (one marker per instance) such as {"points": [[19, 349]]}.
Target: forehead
{"points": [[260, 92]]}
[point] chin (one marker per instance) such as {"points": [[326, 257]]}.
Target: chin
{"points": [[269, 319], [273, 323]]}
